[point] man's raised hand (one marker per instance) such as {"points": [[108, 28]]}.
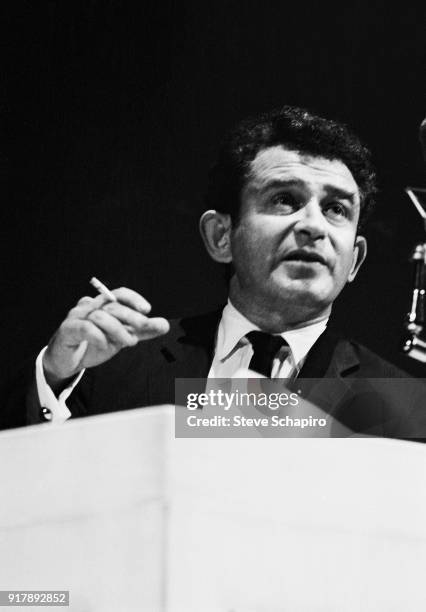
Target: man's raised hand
{"points": [[95, 330]]}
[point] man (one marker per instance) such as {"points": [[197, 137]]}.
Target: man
{"points": [[288, 198]]}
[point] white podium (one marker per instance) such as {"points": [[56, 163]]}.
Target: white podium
{"points": [[128, 518]]}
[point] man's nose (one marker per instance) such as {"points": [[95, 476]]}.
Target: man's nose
{"points": [[311, 223]]}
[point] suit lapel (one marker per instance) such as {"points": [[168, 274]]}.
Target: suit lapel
{"points": [[323, 378], [189, 353], [190, 350], [331, 356]]}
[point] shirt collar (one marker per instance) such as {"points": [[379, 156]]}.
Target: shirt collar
{"points": [[234, 326]]}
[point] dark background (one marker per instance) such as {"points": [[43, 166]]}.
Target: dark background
{"points": [[112, 117]]}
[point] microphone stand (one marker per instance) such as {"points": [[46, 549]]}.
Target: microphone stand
{"points": [[414, 346]]}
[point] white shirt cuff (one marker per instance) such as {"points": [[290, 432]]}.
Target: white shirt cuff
{"points": [[57, 405]]}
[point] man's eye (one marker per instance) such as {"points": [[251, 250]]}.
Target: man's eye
{"points": [[285, 202], [336, 209]]}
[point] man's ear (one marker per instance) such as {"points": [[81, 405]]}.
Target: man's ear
{"points": [[360, 253], [215, 229]]}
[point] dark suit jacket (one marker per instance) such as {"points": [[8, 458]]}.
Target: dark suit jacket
{"points": [[364, 392]]}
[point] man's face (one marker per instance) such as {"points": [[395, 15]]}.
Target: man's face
{"points": [[295, 245]]}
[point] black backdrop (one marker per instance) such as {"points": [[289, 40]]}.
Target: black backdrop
{"points": [[112, 117]]}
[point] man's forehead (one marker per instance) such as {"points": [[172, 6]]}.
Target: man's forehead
{"points": [[278, 163]]}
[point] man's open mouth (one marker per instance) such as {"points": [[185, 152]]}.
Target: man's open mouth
{"points": [[301, 255]]}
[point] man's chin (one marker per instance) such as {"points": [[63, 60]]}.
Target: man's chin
{"points": [[311, 295]]}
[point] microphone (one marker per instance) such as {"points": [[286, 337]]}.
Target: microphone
{"points": [[414, 344], [422, 137]]}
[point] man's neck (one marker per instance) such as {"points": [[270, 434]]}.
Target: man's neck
{"points": [[274, 318]]}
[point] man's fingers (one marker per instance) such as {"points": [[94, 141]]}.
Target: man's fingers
{"points": [[123, 325], [102, 322], [77, 330], [127, 297], [155, 326], [113, 328], [86, 305], [128, 316], [96, 329], [133, 299], [137, 323]]}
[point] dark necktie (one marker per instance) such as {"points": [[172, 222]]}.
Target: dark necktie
{"points": [[265, 348]]}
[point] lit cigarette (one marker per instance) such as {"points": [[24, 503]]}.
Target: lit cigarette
{"points": [[102, 289]]}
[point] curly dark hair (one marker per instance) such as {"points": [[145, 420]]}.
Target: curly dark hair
{"points": [[296, 129]]}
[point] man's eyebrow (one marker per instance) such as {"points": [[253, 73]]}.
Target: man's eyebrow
{"points": [[340, 192], [276, 184], [330, 189]]}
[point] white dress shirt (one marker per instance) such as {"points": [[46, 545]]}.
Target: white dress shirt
{"points": [[233, 352], [57, 405]]}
